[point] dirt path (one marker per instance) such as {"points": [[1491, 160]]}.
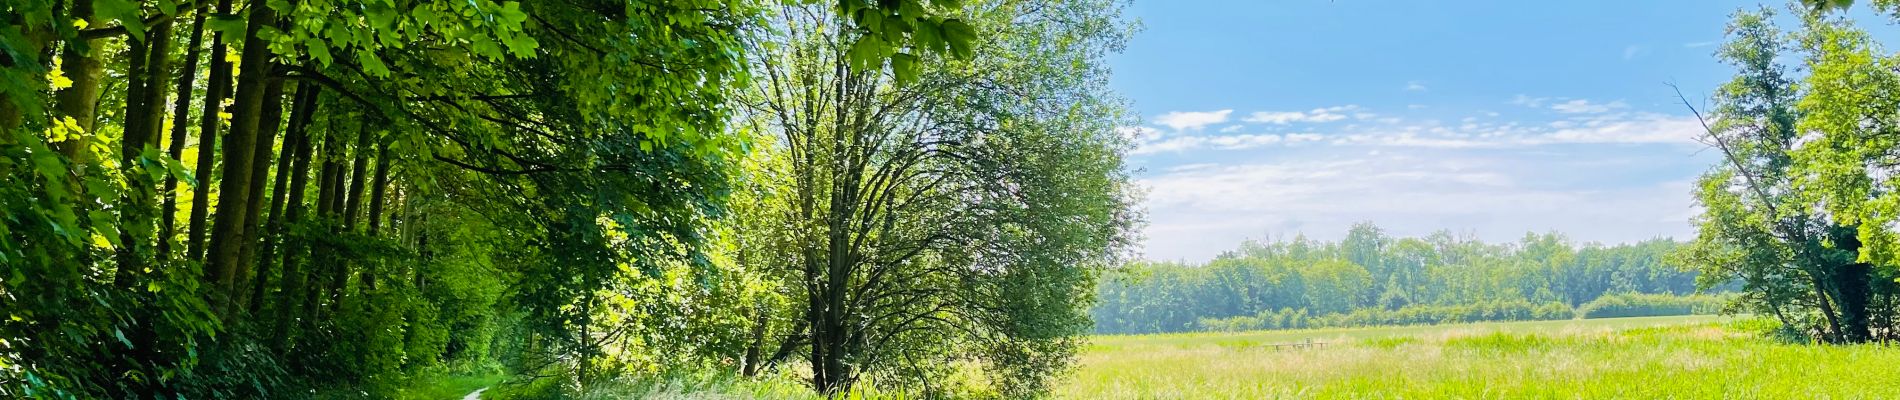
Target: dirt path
{"points": [[476, 395]]}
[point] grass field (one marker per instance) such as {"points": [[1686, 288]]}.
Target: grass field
{"points": [[1653, 357]]}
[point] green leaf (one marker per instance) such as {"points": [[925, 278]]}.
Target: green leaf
{"points": [[905, 66], [960, 36], [371, 63], [867, 52], [229, 25], [319, 49], [126, 12], [511, 15], [927, 35]]}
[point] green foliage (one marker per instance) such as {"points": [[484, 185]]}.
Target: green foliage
{"points": [[1648, 305], [1795, 212], [1371, 279]]}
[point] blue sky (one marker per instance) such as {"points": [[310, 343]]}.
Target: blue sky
{"points": [[1275, 118]]}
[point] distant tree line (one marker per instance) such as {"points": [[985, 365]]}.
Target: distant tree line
{"points": [[1370, 278]]}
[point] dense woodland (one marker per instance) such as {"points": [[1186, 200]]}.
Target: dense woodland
{"points": [[289, 198], [1371, 278], [335, 198]]}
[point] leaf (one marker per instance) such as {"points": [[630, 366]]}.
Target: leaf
{"points": [[371, 63], [959, 35], [905, 66], [927, 35], [319, 49], [229, 25], [511, 15], [867, 52], [126, 12]]}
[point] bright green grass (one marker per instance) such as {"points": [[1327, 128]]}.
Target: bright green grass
{"points": [[448, 387], [1651, 357]]}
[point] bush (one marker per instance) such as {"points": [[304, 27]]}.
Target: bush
{"points": [[1649, 305]]}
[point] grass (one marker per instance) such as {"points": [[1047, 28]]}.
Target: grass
{"points": [[1646, 357], [447, 387]]}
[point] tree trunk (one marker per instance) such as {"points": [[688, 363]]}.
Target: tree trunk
{"points": [[295, 143], [260, 171], [378, 191], [181, 108], [326, 196], [217, 88], [150, 65], [83, 62], [228, 232], [358, 177], [296, 278]]}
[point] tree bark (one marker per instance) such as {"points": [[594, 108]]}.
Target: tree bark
{"points": [[326, 197], [358, 177], [291, 300], [378, 191], [150, 64], [82, 61], [216, 89], [181, 108], [294, 148], [228, 232], [260, 172]]}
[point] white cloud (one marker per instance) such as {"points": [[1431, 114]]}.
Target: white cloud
{"points": [[1237, 142], [1197, 212], [1192, 120], [1415, 86], [1327, 114], [1174, 144], [1632, 51], [1700, 44], [1589, 123], [1581, 106], [1529, 101]]}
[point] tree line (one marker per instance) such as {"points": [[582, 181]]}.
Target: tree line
{"points": [[266, 199], [1372, 278]]}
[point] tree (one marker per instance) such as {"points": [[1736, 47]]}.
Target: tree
{"points": [[1763, 224], [963, 210]]}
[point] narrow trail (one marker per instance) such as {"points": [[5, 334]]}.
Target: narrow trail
{"points": [[476, 395]]}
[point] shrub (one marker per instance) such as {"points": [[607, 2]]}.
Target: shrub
{"points": [[1647, 305]]}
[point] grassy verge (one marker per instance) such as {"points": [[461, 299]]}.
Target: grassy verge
{"points": [[445, 387]]}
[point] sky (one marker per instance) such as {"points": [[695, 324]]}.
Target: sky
{"points": [[1268, 119]]}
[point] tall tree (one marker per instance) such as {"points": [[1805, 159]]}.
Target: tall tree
{"points": [[916, 193]]}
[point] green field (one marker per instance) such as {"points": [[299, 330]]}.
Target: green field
{"points": [[1651, 357]]}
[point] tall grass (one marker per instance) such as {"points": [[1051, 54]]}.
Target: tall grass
{"points": [[1653, 357]]}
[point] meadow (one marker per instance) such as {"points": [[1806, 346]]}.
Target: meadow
{"points": [[1646, 357]]}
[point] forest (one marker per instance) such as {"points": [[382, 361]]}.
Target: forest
{"points": [[1370, 279], [337, 198], [332, 199]]}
